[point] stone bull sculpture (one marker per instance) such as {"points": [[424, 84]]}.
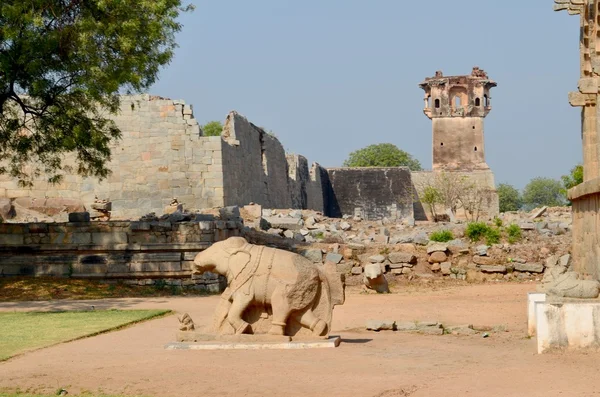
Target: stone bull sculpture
{"points": [[270, 290]]}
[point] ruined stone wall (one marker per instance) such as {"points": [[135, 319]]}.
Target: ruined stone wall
{"points": [[375, 193], [139, 252], [482, 179], [255, 165], [160, 156], [256, 169]]}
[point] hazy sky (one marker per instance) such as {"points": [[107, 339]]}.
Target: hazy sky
{"points": [[332, 76]]}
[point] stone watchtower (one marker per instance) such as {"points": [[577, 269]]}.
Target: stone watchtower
{"points": [[457, 106]]}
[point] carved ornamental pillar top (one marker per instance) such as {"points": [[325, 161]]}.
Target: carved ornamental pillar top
{"points": [[574, 7]]}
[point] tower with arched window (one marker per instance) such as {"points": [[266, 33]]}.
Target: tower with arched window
{"points": [[457, 106]]}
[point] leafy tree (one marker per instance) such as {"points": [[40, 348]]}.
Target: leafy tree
{"points": [[213, 128], [509, 197], [382, 155], [574, 178], [543, 191], [62, 65]]}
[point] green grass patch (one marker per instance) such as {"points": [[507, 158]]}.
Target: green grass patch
{"points": [[25, 331], [514, 233], [441, 236]]}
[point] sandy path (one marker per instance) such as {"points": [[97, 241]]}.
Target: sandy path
{"points": [[133, 361]]}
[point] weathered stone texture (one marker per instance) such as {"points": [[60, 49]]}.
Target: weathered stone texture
{"points": [[375, 192], [109, 250]]}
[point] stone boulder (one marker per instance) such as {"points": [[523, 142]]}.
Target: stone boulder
{"points": [[438, 257]]}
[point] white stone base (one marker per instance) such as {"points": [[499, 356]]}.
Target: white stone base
{"points": [[333, 341], [567, 324], [532, 299]]}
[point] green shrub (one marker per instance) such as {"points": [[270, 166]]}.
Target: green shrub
{"points": [[492, 236], [498, 222], [514, 233], [476, 230], [441, 236]]}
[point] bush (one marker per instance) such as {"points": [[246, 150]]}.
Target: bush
{"points": [[213, 128], [498, 222], [492, 236], [441, 236], [476, 230], [514, 233]]}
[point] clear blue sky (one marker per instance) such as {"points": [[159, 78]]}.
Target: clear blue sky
{"points": [[332, 76]]}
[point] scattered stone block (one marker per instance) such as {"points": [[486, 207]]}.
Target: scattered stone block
{"points": [[482, 250], [493, 269], [375, 279], [335, 258], [437, 247], [446, 268], [402, 257], [315, 255], [438, 257], [483, 260], [538, 212], [377, 259], [357, 270], [379, 325], [286, 223], [529, 267], [229, 213], [406, 326]]}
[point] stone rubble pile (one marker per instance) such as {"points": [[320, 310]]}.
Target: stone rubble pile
{"points": [[380, 251]]}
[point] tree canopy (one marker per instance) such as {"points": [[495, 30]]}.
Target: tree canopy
{"points": [[543, 191], [212, 128], [509, 197], [382, 155], [62, 65], [574, 178]]}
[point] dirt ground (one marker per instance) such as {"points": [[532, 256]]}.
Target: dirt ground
{"points": [[133, 361]]}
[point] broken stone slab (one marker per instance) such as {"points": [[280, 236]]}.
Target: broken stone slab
{"points": [[406, 326], [482, 250], [421, 238], [437, 247], [286, 223], [357, 270], [529, 267], [345, 226], [288, 234], [458, 247], [381, 325], [377, 259], [334, 258], [462, 330], [314, 255], [527, 226], [493, 269], [103, 207], [483, 260], [254, 210], [402, 257], [359, 248], [436, 267], [401, 239], [538, 212]]}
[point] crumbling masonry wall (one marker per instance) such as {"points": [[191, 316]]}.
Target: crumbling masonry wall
{"points": [[257, 169], [162, 155]]}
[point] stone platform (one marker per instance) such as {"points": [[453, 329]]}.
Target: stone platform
{"points": [[564, 324], [254, 342]]}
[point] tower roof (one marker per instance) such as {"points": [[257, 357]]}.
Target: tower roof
{"points": [[477, 77]]}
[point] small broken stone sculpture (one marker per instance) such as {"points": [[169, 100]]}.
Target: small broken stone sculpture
{"points": [[270, 291], [559, 280], [186, 323], [374, 279]]}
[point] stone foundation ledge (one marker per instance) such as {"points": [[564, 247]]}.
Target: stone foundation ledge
{"points": [[564, 324]]}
